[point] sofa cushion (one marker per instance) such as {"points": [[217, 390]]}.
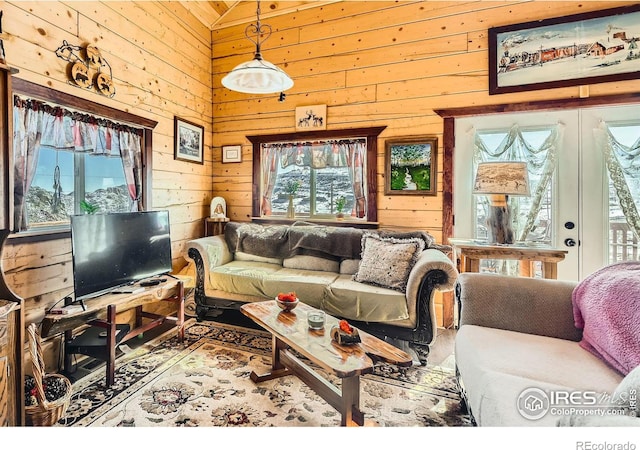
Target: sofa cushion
{"points": [[496, 366], [352, 300], [242, 256], [387, 262], [349, 266], [267, 280], [307, 262]]}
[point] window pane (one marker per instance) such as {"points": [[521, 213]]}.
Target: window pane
{"points": [[520, 206], [105, 184], [318, 192], [54, 168], [331, 183], [623, 242], [52, 198], [280, 196]]}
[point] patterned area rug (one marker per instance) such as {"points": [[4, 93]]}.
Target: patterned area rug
{"points": [[204, 382]]}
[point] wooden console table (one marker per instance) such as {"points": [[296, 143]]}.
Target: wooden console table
{"points": [[101, 312], [471, 253]]}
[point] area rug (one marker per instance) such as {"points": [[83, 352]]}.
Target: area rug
{"points": [[204, 382]]}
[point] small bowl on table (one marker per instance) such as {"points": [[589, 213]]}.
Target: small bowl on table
{"points": [[287, 305]]}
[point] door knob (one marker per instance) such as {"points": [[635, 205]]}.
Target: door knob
{"points": [[569, 242]]}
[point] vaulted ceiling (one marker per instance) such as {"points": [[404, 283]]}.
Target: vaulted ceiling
{"points": [[217, 15]]}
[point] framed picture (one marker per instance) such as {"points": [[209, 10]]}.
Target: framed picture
{"points": [[231, 153], [313, 117], [188, 145], [581, 49], [411, 166]]}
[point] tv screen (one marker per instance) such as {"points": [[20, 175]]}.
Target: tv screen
{"points": [[113, 250]]}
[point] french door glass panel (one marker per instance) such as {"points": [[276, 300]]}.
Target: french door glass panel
{"points": [[582, 204], [555, 209]]}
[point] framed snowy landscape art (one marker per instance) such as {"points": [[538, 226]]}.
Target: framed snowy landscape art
{"points": [[581, 49]]}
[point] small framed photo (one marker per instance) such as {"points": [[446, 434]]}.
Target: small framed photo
{"points": [[313, 117], [411, 166], [232, 153], [188, 145]]}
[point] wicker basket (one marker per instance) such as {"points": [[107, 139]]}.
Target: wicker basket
{"points": [[45, 413]]}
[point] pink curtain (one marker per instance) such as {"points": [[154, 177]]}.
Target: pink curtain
{"points": [[270, 155], [356, 154]]}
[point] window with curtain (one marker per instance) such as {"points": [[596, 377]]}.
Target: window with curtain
{"points": [[325, 165], [323, 171], [67, 162], [532, 216], [620, 144]]}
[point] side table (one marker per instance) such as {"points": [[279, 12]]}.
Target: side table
{"points": [[471, 252], [218, 225]]}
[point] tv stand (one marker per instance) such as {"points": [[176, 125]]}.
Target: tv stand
{"points": [[101, 312]]}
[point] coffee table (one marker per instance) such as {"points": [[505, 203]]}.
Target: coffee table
{"points": [[289, 331]]}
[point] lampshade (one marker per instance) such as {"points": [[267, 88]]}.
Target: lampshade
{"points": [[503, 177], [257, 76]]}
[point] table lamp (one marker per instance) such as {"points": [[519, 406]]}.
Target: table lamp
{"points": [[499, 180]]}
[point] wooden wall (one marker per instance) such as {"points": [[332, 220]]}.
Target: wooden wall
{"points": [[372, 63], [160, 55]]}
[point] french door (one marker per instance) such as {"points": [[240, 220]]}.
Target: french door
{"points": [[579, 211]]}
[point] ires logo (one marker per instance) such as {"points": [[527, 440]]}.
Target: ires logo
{"points": [[535, 403]]}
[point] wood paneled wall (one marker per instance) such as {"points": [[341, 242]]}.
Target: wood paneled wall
{"points": [[160, 55], [373, 63]]}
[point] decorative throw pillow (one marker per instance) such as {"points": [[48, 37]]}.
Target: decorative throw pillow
{"points": [[387, 262]]}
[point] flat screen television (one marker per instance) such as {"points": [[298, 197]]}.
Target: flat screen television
{"points": [[117, 249]]}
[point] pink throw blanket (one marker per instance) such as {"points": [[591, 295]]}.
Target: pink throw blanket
{"points": [[606, 305]]}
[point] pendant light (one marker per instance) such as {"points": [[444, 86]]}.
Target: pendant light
{"points": [[257, 76]]}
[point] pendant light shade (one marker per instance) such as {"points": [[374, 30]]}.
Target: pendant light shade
{"points": [[257, 76]]}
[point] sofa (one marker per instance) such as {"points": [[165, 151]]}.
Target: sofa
{"points": [[382, 281], [524, 356]]}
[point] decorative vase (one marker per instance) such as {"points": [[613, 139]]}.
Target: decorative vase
{"points": [[291, 212]]}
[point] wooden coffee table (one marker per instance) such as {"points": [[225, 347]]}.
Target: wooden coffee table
{"points": [[290, 331]]}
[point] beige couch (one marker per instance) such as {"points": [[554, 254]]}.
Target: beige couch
{"points": [[517, 339], [388, 292]]}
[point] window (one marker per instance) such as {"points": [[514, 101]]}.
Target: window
{"points": [[56, 193], [322, 172], [532, 215], [67, 162], [324, 165]]}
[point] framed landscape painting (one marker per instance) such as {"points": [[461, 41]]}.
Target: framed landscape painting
{"points": [[581, 49], [188, 145], [411, 166]]}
